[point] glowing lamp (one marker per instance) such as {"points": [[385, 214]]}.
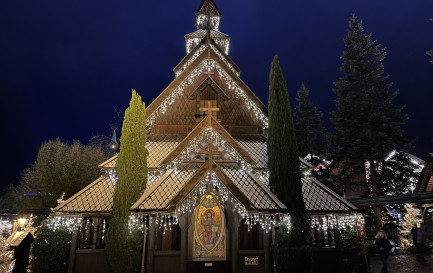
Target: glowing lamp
{"points": [[22, 222]]}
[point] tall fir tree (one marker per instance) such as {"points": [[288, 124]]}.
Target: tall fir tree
{"points": [[367, 125], [310, 132], [124, 245], [291, 250]]}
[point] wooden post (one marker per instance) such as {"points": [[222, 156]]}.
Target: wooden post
{"points": [[234, 224], [95, 232], [183, 224], [74, 243], [144, 250], [267, 237], [151, 244]]}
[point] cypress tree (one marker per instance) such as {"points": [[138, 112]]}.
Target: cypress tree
{"points": [[124, 246], [310, 132], [290, 250], [367, 126]]}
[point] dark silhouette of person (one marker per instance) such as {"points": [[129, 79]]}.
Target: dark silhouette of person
{"points": [[414, 232], [384, 247]]}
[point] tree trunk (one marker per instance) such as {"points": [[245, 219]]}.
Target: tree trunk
{"points": [[375, 191]]}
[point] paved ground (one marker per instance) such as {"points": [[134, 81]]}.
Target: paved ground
{"points": [[403, 264]]}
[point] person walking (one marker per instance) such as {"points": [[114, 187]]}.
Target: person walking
{"points": [[384, 247], [421, 242]]}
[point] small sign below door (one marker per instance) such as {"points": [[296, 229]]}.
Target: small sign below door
{"points": [[251, 260]]}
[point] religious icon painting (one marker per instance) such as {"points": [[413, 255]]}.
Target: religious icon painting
{"points": [[209, 243]]}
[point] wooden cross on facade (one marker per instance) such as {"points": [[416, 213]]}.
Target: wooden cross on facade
{"points": [[209, 109], [208, 73], [211, 153]]}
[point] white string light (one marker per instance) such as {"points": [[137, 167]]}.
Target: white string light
{"points": [[208, 65]]}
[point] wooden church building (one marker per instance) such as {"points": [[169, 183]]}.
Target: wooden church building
{"points": [[207, 206]]}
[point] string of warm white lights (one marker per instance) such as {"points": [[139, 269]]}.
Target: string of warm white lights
{"points": [[263, 176], [202, 20], [205, 138], [56, 222], [208, 65], [345, 221], [223, 43], [5, 227], [192, 59], [153, 176], [218, 53], [191, 43], [239, 92]]}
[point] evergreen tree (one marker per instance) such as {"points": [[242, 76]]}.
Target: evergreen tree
{"points": [[310, 132], [59, 168], [367, 124], [291, 250], [411, 217], [50, 250], [6, 257], [124, 246]]}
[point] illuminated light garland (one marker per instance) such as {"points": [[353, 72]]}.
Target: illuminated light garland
{"points": [[207, 65], [263, 176], [210, 184], [342, 221], [71, 223], [239, 92], [225, 44], [267, 221], [205, 138], [192, 59], [191, 43], [153, 176], [215, 21], [5, 227], [112, 174], [218, 53]]}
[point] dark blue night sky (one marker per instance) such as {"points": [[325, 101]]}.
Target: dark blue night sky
{"points": [[65, 65]]}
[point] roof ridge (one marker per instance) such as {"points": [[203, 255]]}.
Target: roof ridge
{"points": [[220, 130]]}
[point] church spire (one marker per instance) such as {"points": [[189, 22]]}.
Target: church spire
{"points": [[207, 11], [207, 23]]}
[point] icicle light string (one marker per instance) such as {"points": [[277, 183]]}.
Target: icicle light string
{"points": [[263, 176], [208, 136], [153, 176], [192, 59], [5, 227], [71, 223], [347, 221], [207, 65]]}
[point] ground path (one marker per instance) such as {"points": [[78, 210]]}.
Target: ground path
{"points": [[403, 264]]}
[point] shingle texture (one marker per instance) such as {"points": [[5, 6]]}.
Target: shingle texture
{"points": [[158, 146], [96, 197], [319, 198], [160, 195], [202, 33], [251, 189], [256, 147]]}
